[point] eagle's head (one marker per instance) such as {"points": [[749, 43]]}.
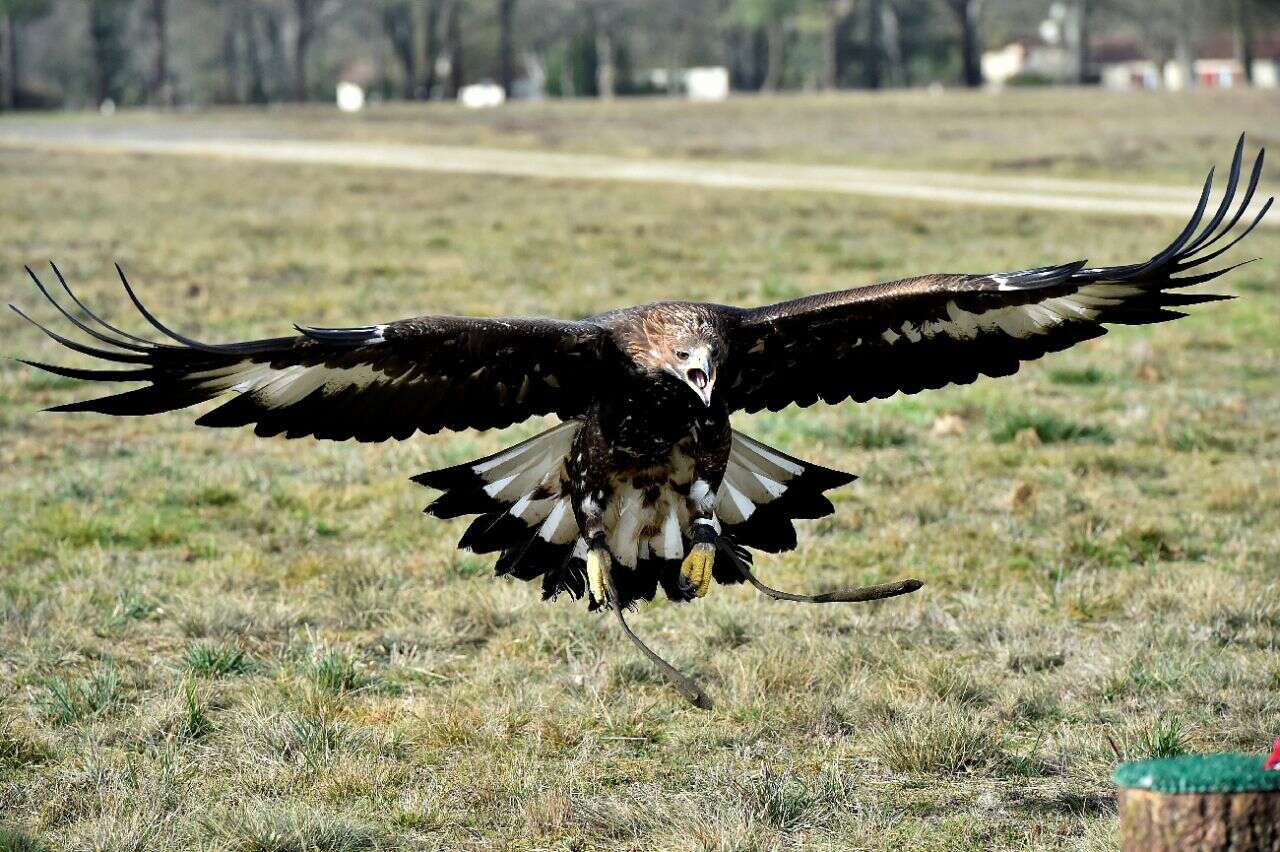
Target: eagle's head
{"points": [[679, 341]]}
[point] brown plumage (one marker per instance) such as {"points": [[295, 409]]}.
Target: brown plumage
{"points": [[644, 481]]}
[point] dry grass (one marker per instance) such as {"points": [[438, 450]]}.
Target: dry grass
{"points": [[215, 641]]}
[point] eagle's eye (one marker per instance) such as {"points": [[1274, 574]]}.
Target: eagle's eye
{"points": [[682, 355]]}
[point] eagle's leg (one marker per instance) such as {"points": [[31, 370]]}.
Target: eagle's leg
{"points": [[854, 595], [703, 526], [686, 686], [599, 560]]}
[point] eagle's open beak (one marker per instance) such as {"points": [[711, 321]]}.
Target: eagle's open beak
{"points": [[698, 374]]}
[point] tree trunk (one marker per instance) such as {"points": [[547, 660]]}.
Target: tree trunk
{"points": [[253, 55], [1084, 73], [161, 92], [775, 35], [457, 74], [875, 44], [430, 46], [892, 41], [506, 46], [278, 68], [1209, 822], [305, 10], [969, 13], [106, 48], [9, 72], [1244, 37], [1185, 56], [230, 92], [833, 42], [606, 70], [397, 23]]}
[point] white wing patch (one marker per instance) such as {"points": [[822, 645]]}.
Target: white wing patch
{"points": [[282, 387], [530, 477], [755, 475], [1020, 321]]}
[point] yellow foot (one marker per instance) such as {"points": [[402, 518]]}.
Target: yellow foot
{"points": [[595, 574], [696, 567]]}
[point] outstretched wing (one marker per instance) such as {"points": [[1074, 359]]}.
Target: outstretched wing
{"points": [[369, 383], [918, 333]]}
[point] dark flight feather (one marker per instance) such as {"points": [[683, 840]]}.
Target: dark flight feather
{"points": [[368, 383], [376, 382], [923, 333]]}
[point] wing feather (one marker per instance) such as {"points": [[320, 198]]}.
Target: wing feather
{"points": [[923, 333], [370, 382]]}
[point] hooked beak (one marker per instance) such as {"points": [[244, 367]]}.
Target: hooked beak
{"points": [[699, 375]]}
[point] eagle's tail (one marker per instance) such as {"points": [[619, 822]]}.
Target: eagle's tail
{"points": [[521, 497], [765, 490]]}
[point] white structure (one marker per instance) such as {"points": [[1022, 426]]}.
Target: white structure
{"points": [[350, 97], [481, 95], [1050, 61], [707, 84], [1122, 64]]}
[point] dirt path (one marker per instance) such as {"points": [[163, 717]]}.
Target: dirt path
{"points": [[1080, 196]]}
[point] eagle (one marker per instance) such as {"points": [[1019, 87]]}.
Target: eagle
{"points": [[644, 484]]}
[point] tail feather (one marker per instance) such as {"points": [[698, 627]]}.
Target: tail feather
{"points": [[519, 496], [790, 489]]}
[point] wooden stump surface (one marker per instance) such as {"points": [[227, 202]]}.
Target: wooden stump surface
{"points": [[1199, 803]]}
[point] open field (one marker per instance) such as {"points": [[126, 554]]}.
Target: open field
{"points": [[218, 641], [1087, 133]]}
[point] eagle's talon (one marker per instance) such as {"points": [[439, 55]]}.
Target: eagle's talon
{"points": [[596, 561], [696, 568]]}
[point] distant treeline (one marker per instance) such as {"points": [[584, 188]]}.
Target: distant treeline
{"points": [[168, 52]]}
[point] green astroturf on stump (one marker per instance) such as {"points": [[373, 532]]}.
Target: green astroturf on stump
{"points": [[1200, 773]]}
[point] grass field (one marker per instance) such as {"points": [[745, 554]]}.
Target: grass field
{"points": [[1160, 137], [209, 640]]}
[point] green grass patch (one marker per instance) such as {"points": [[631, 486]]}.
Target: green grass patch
{"points": [[217, 660], [1081, 377], [14, 840], [337, 672], [68, 700], [1049, 428], [940, 741]]}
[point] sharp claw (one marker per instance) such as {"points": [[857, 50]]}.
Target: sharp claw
{"points": [[595, 574], [696, 568]]}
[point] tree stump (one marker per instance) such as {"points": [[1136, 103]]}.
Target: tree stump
{"points": [[1199, 803]]}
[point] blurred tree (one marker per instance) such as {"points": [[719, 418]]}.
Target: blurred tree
{"points": [[229, 55], [1169, 28], [108, 22], [161, 92], [506, 48], [835, 41], [606, 69], [456, 48], [1084, 64], [874, 56], [14, 15], [396, 17], [430, 45], [1244, 36], [276, 76], [1246, 18], [311, 19], [969, 15], [771, 17], [257, 93]]}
